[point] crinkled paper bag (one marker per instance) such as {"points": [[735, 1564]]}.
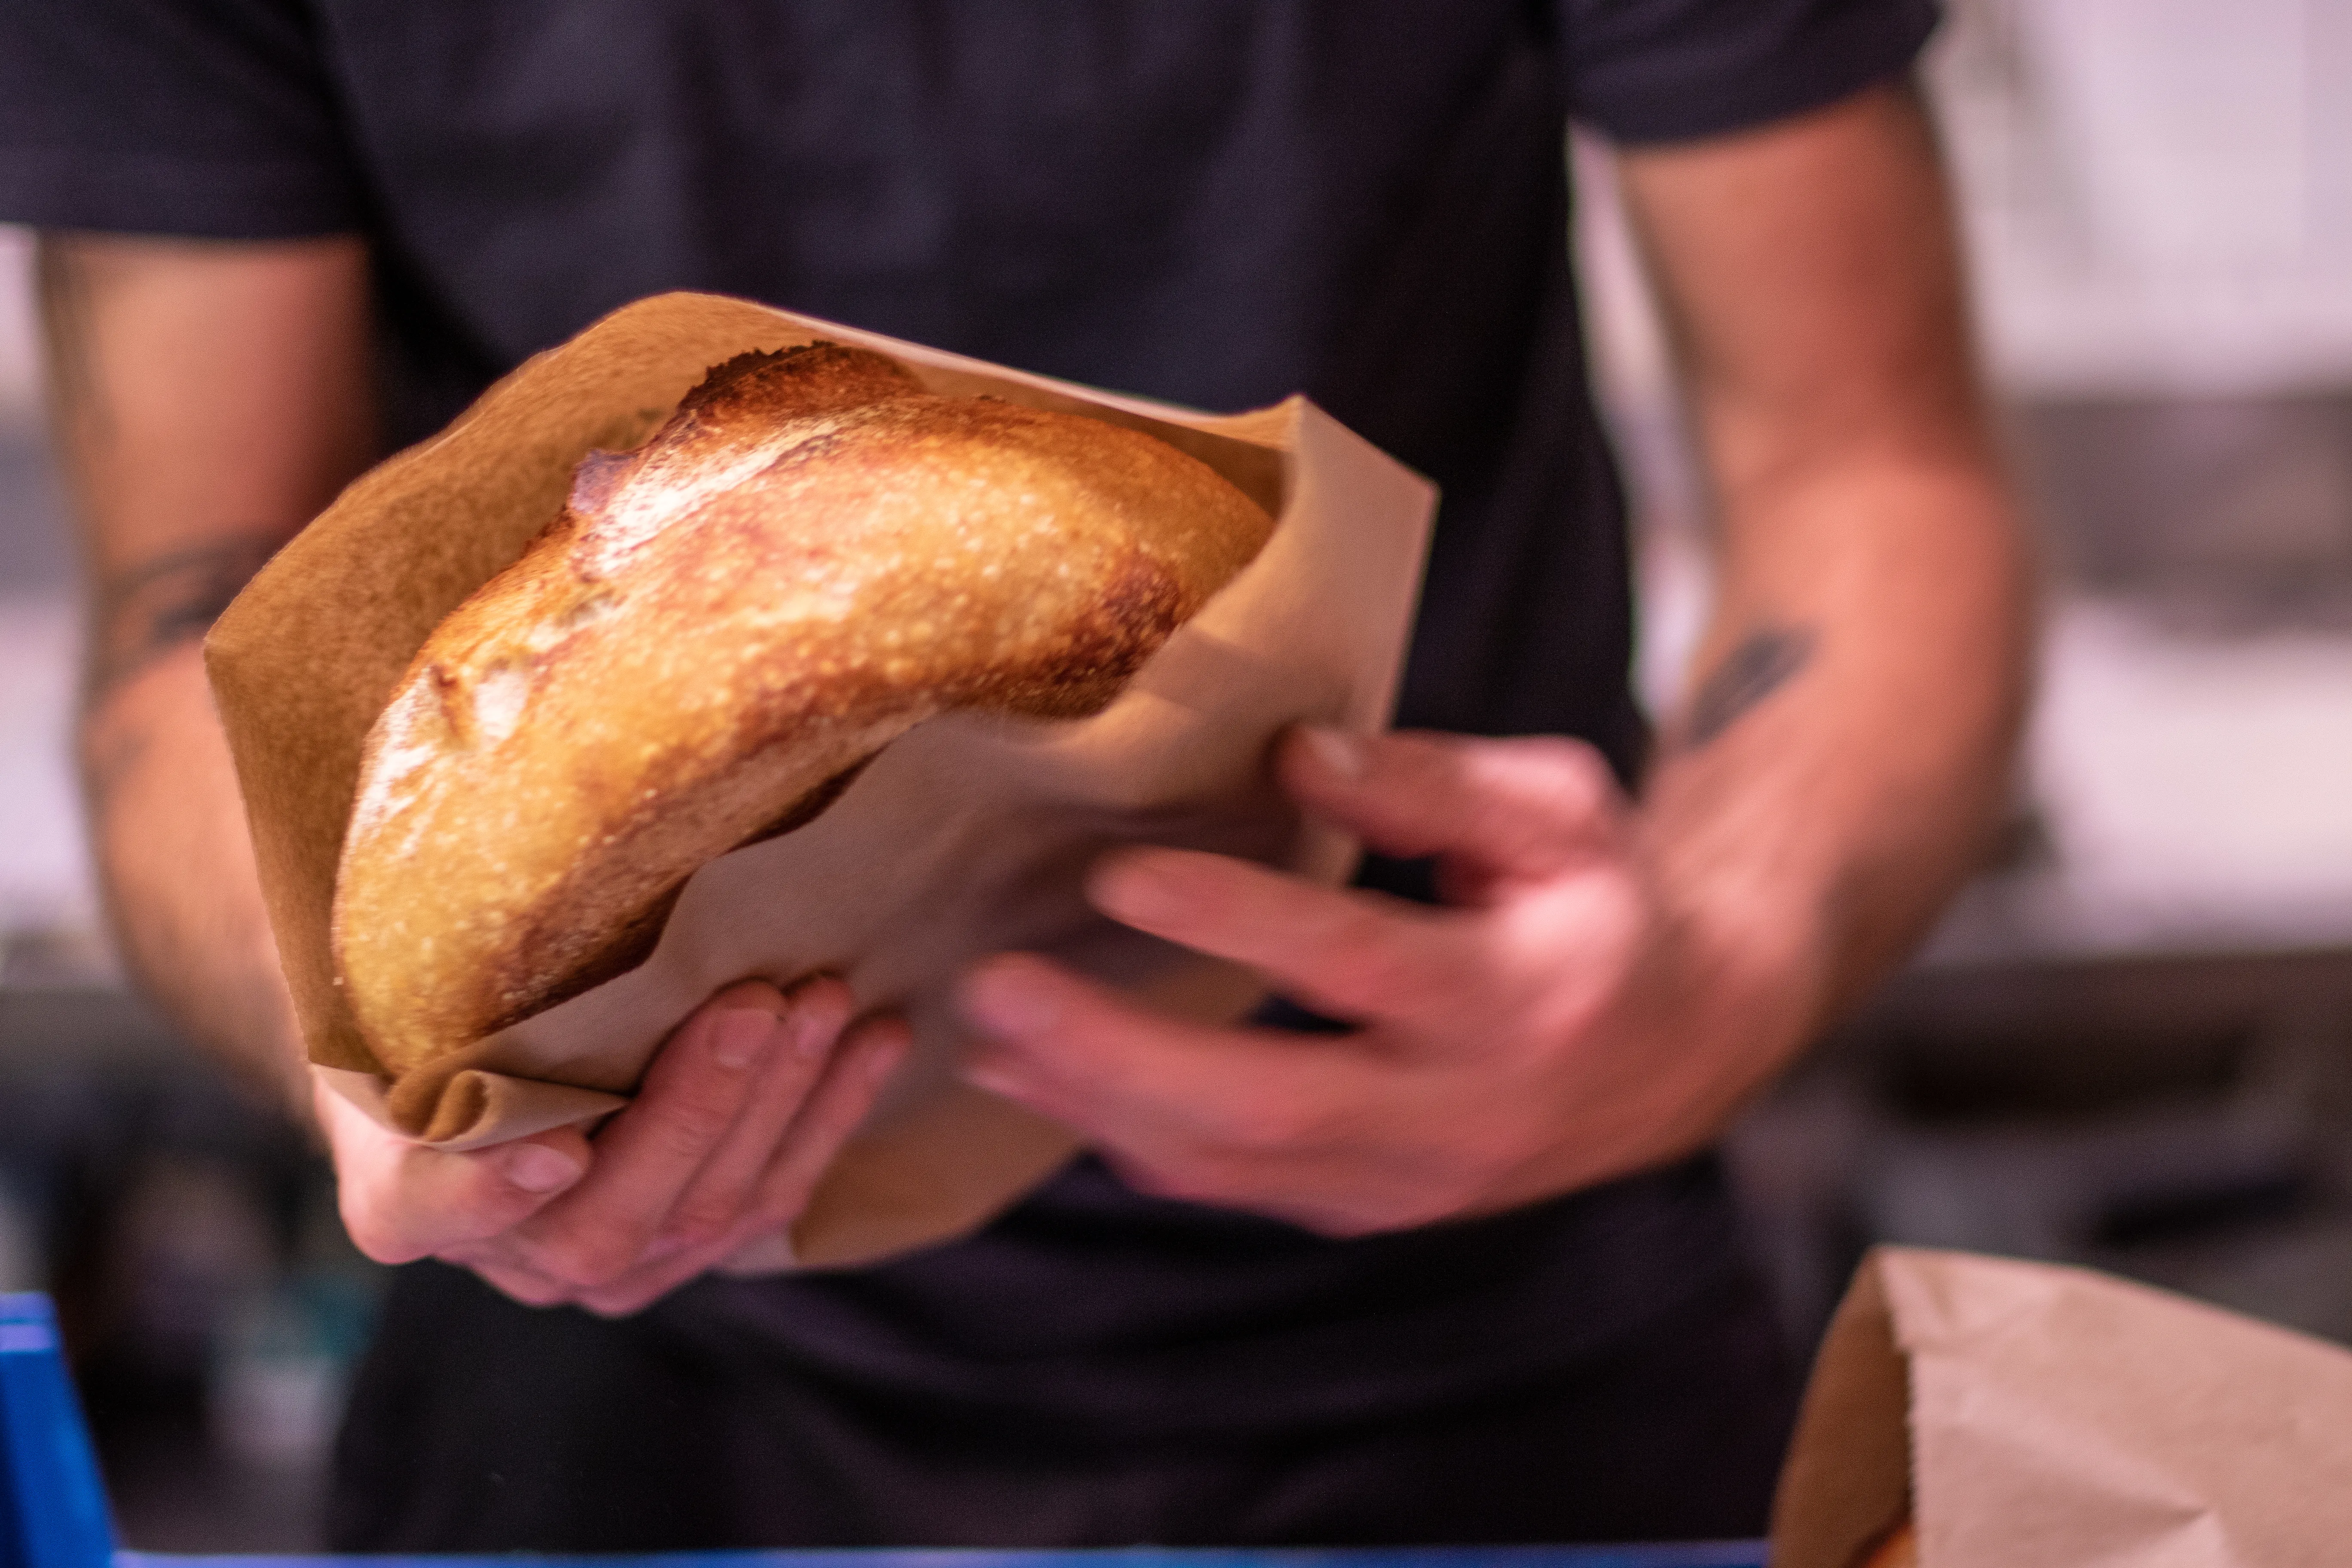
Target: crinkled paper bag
{"points": [[967, 836], [2029, 1416]]}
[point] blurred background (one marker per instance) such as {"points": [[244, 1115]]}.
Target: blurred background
{"points": [[2130, 1044]]}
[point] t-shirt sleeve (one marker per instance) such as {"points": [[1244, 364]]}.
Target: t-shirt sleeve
{"points": [[1666, 70], [204, 118]]}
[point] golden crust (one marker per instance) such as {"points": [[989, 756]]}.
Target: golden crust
{"points": [[811, 557]]}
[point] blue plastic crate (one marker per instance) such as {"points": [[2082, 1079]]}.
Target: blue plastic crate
{"points": [[53, 1506], [53, 1509]]}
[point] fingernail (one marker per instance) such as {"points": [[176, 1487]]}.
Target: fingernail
{"points": [[812, 1032], [536, 1168], [738, 1035], [1336, 751], [1136, 891], [1003, 1000]]}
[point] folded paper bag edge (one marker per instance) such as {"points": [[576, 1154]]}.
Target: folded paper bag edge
{"points": [[563, 1105]]}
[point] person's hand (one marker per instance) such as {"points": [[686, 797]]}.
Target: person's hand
{"points": [[1558, 1024], [707, 1167]]}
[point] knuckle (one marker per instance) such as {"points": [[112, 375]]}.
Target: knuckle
{"points": [[687, 1128], [613, 1304], [1564, 755], [379, 1239], [377, 1243], [1581, 780], [824, 1005], [1572, 773], [703, 1223], [1420, 754], [584, 1263], [531, 1292]]}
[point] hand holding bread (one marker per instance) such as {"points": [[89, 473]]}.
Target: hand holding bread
{"points": [[708, 1166]]}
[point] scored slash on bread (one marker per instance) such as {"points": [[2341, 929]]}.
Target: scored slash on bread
{"points": [[812, 556]]}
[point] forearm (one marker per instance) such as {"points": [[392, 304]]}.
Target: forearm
{"points": [[207, 400], [1845, 747], [1847, 738], [178, 873]]}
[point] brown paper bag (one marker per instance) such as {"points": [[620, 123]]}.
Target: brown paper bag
{"points": [[2035, 1417], [968, 835]]}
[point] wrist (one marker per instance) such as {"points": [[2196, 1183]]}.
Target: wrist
{"points": [[1756, 949]]}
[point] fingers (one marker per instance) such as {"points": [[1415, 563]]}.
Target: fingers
{"points": [[835, 1110], [1075, 1053], [701, 1083], [1349, 954], [1524, 807], [740, 1115], [782, 1187], [700, 1163], [1504, 813], [711, 1205], [401, 1201], [1303, 1127], [759, 1183]]}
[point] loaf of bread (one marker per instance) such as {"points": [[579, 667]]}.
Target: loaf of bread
{"points": [[720, 628]]}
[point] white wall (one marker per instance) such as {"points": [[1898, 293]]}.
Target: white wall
{"points": [[20, 376], [2159, 193], [43, 869]]}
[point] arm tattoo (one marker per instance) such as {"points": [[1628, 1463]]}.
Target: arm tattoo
{"points": [[1764, 661], [154, 607], [149, 608]]}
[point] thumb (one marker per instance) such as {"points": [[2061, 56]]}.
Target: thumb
{"points": [[1527, 806], [402, 1201]]}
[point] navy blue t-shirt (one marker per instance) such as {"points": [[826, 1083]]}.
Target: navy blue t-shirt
{"points": [[1214, 202]]}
